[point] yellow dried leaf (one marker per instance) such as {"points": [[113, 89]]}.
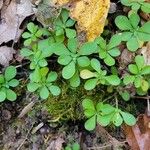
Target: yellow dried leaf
{"points": [[60, 2], [90, 16]]}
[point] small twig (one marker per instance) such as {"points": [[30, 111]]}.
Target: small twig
{"points": [[144, 97], [26, 137], [105, 145], [110, 97], [116, 102]]}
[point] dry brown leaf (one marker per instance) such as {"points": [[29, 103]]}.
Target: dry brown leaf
{"points": [[138, 136], [145, 51], [12, 16], [56, 144], [90, 16], [6, 55], [1, 4]]}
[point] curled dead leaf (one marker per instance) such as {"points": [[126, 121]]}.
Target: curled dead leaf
{"points": [[138, 136], [6, 55], [12, 16]]}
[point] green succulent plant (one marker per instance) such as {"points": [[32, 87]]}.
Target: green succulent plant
{"points": [[104, 114], [132, 33], [107, 52], [46, 84], [6, 82], [38, 54], [137, 73], [73, 57], [99, 76], [32, 35], [63, 25]]}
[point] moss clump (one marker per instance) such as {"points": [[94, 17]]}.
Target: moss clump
{"points": [[67, 106]]}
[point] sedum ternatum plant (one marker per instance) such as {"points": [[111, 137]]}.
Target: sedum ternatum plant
{"points": [[32, 34], [133, 34], [107, 52], [46, 84], [63, 25], [73, 57], [98, 76], [104, 114], [8, 81], [137, 74]]}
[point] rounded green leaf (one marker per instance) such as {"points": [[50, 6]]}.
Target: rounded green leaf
{"points": [[117, 119], [104, 120], [2, 96], [70, 23], [75, 80], [123, 23], [139, 61], [134, 20], [114, 52], [86, 74], [125, 36], [31, 27], [42, 63], [64, 59], [125, 95], [89, 113], [83, 61], [44, 92], [101, 42], [129, 119], [95, 65], [128, 79], [72, 45], [114, 41], [133, 69], [11, 95], [25, 52], [90, 124], [107, 109], [88, 104], [32, 86], [68, 71], [13, 82], [110, 61], [70, 33], [90, 84], [88, 48], [137, 82], [144, 85], [145, 70], [55, 90], [132, 44], [27, 42], [26, 35], [52, 76], [102, 53], [113, 80], [10, 73]]}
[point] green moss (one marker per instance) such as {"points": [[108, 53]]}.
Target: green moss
{"points": [[67, 106]]}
